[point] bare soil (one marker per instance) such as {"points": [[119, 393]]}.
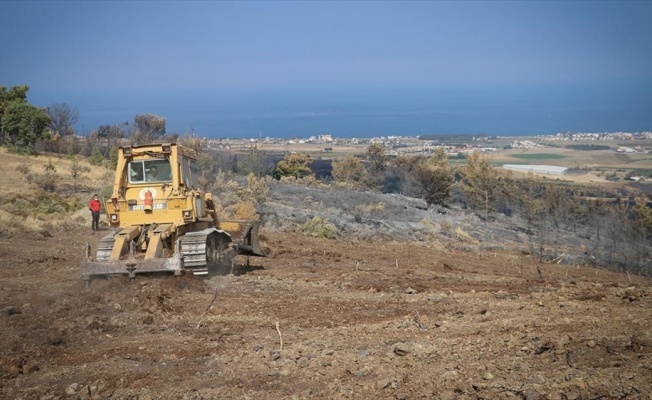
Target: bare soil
{"points": [[322, 318]]}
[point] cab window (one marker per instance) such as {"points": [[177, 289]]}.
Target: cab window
{"points": [[144, 171], [186, 172], [195, 173], [136, 173]]}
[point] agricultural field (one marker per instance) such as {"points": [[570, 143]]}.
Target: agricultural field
{"points": [[538, 156], [596, 166]]}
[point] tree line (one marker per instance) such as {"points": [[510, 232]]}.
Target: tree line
{"points": [[27, 128]]}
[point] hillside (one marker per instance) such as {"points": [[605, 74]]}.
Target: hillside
{"points": [[404, 303]]}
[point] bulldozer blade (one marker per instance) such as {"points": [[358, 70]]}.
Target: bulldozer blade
{"points": [[246, 234], [131, 267]]}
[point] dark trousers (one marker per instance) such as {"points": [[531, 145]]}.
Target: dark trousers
{"points": [[96, 220]]}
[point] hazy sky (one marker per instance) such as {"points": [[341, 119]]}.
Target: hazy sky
{"points": [[225, 67], [221, 45]]}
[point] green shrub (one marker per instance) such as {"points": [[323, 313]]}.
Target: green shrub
{"points": [[22, 150], [18, 206], [53, 203], [96, 158], [319, 227]]}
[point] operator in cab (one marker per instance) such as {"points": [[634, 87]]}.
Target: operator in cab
{"points": [[152, 174]]}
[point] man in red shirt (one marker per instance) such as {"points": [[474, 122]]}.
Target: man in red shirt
{"points": [[94, 206]]}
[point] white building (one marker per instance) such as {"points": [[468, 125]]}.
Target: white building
{"points": [[537, 169]]}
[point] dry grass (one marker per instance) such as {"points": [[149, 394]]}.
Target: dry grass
{"points": [[429, 230], [309, 181], [27, 206], [463, 236], [370, 208], [11, 224], [245, 210], [11, 181]]}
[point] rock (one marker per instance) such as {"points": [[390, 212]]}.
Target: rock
{"points": [[411, 291], [303, 362], [72, 388], [579, 382], [117, 322], [447, 395], [326, 362], [400, 349], [631, 293], [537, 378], [13, 370], [327, 352], [86, 391], [384, 383], [9, 311], [450, 375], [531, 395], [487, 376], [30, 367], [559, 346]]}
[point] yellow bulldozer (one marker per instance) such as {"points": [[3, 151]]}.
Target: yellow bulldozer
{"points": [[161, 221]]}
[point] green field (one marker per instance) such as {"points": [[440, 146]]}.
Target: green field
{"points": [[538, 156]]}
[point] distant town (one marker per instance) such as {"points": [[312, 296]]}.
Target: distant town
{"points": [[453, 144]]}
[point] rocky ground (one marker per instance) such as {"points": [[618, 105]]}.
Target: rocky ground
{"points": [[322, 318]]}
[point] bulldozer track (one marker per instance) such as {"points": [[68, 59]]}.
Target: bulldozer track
{"points": [[201, 250], [104, 247], [205, 250]]}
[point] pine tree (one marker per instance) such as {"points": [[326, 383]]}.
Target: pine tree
{"points": [[642, 215], [376, 166], [480, 183], [349, 170], [295, 165], [435, 175]]}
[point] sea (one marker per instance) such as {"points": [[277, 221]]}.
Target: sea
{"points": [[509, 110]]}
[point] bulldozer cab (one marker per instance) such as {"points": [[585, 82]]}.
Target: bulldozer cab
{"points": [[143, 171]]}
